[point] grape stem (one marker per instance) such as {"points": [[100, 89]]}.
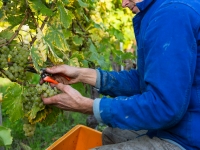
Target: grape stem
{"points": [[4, 75], [42, 26], [3, 72]]}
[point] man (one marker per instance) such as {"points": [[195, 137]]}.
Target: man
{"points": [[156, 106]]}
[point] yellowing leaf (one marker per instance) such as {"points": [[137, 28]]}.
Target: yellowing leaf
{"points": [[41, 115], [82, 4], [52, 55], [38, 6], [56, 38], [33, 113], [52, 116], [74, 62], [66, 16], [37, 58], [12, 101]]}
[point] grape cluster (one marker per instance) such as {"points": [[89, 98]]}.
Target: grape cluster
{"points": [[19, 59], [32, 100], [4, 51], [32, 96], [13, 60], [29, 129]]}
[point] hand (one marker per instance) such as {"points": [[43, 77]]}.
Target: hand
{"points": [[64, 74], [70, 100], [85, 75]]}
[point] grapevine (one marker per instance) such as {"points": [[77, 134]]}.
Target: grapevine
{"points": [[35, 34]]}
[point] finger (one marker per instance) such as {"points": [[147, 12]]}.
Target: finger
{"points": [[62, 87], [50, 100], [41, 81], [52, 85], [61, 79], [56, 69]]}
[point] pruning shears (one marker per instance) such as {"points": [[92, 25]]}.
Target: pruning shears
{"points": [[48, 77]]}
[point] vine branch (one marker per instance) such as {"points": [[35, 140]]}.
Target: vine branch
{"points": [[18, 29]]}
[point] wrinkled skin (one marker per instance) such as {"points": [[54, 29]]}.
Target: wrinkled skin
{"points": [[70, 99]]}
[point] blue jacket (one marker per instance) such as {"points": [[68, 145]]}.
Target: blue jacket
{"points": [[163, 94]]}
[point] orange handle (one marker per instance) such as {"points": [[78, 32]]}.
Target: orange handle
{"points": [[50, 80]]}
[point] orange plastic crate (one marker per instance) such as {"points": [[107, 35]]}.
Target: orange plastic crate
{"points": [[78, 138]]}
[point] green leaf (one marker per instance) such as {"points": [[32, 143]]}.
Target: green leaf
{"points": [[32, 78], [37, 58], [82, 4], [116, 33], [92, 48], [67, 34], [98, 26], [101, 60], [6, 33], [15, 20], [94, 55], [84, 63], [66, 2], [1, 13], [5, 136], [66, 16], [12, 101], [77, 40], [82, 88], [38, 7], [127, 55]]}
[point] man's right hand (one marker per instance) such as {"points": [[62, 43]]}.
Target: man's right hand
{"points": [[68, 75]]}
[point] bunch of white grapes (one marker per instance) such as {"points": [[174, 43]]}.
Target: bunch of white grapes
{"points": [[14, 59], [19, 55], [29, 129], [4, 52], [32, 99], [32, 95]]}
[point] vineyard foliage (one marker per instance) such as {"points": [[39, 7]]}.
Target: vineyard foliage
{"points": [[35, 34]]}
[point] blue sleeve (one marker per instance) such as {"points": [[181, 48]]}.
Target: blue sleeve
{"points": [[96, 111], [119, 83], [169, 59]]}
